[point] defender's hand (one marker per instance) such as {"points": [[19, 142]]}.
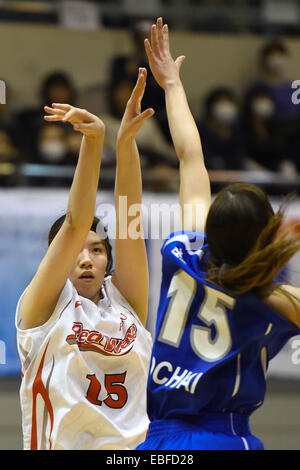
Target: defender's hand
{"points": [[165, 70]]}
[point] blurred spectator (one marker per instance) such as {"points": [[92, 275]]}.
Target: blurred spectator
{"points": [[219, 131], [284, 125], [10, 156], [52, 144], [264, 138], [125, 67], [291, 133], [119, 93], [56, 88], [73, 142], [273, 62], [9, 153], [57, 144], [156, 153], [151, 143]]}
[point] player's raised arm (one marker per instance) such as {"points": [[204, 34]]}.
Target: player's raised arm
{"points": [[194, 182], [131, 267], [43, 292]]}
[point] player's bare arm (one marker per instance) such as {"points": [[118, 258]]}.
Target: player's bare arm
{"points": [[286, 305], [194, 181], [43, 292], [131, 252]]}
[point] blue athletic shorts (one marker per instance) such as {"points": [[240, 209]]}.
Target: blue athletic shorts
{"points": [[213, 431]]}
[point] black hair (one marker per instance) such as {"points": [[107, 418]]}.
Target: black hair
{"points": [[246, 252], [54, 78], [273, 46], [98, 227]]}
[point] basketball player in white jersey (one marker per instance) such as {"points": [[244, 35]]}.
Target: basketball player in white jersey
{"points": [[81, 337]]}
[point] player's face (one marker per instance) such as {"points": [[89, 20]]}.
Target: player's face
{"points": [[89, 270]]}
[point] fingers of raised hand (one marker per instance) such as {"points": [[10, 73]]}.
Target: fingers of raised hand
{"points": [[160, 37], [141, 80], [165, 38], [54, 114], [179, 61], [159, 40], [155, 44], [140, 118], [77, 115], [133, 106], [81, 119], [136, 123], [138, 91], [148, 48], [70, 115], [57, 112], [146, 114], [64, 106]]}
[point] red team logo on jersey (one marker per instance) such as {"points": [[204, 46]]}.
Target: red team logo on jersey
{"points": [[93, 340], [122, 319]]}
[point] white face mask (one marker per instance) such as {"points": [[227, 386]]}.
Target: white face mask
{"points": [[226, 113], [263, 107], [277, 63], [52, 150]]}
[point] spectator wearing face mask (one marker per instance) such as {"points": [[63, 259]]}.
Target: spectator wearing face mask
{"points": [[274, 59], [52, 145], [55, 146], [219, 130], [273, 63], [264, 136], [57, 87]]}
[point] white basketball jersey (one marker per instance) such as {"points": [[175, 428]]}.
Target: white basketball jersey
{"points": [[85, 374]]}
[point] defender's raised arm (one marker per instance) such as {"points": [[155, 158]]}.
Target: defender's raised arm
{"points": [[194, 182]]}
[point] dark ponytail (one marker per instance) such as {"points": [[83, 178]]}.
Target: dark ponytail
{"points": [[256, 254]]}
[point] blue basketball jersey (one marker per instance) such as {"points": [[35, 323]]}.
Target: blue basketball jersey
{"points": [[211, 350]]}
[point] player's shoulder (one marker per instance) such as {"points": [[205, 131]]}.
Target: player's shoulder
{"points": [[184, 250], [191, 241], [285, 301], [67, 294]]}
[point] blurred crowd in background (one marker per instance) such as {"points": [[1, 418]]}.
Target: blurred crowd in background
{"points": [[259, 130]]}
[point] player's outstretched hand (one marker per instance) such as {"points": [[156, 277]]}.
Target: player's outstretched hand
{"points": [[82, 121], [163, 67], [133, 118]]}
